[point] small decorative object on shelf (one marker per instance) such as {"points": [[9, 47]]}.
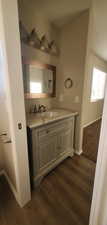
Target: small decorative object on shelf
{"points": [[68, 83], [51, 44], [44, 44], [53, 48], [33, 40]]}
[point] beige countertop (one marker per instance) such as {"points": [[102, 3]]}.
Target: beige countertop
{"points": [[40, 119]]}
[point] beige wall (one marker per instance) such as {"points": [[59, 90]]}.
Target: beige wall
{"points": [[99, 23], [37, 55], [72, 64], [32, 18], [72, 40], [1, 157], [92, 110]]}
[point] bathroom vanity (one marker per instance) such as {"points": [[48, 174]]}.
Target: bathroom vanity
{"points": [[50, 133], [50, 140]]}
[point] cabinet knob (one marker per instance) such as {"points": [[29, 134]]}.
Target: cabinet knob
{"points": [[47, 131]]}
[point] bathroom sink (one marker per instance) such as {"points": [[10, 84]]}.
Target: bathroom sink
{"points": [[49, 114]]}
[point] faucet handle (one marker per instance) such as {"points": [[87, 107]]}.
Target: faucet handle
{"points": [[44, 108], [35, 109]]}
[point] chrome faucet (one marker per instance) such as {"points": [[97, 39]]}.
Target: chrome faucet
{"points": [[41, 108]]}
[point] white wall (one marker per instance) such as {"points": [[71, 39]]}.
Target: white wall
{"points": [[13, 111], [98, 44], [6, 151], [1, 105]]}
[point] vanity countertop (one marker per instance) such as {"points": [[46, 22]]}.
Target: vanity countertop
{"points": [[40, 119]]}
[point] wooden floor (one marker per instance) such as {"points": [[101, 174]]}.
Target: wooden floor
{"points": [[91, 137], [63, 198]]}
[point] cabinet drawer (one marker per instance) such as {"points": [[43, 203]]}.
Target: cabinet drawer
{"points": [[57, 126]]}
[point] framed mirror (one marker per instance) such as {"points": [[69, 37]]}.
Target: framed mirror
{"points": [[39, 80]]}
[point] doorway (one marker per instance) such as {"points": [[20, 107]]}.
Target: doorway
{"points": [[91, 136]]}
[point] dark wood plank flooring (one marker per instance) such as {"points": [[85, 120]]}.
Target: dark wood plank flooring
{"points": [[91, 137], [63, 198]]}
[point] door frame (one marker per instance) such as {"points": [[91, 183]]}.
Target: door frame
{"points": [[14, 92], [98, 215]]}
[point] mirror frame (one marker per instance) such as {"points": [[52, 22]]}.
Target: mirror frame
{"points": [[42, 66]]}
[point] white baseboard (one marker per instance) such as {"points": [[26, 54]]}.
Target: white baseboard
{"points": [[78, 152], [88, 124], [3, 172]]}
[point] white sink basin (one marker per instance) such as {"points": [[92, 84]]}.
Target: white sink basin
{"points": [[49, 114]]}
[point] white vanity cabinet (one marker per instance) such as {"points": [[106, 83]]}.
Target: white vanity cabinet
{"points": [[51, 144]]}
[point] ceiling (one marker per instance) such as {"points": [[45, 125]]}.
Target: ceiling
{"points": [[60, 12]]}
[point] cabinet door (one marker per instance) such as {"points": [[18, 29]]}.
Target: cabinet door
{"points": [[65, 141], [47, 150]]}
